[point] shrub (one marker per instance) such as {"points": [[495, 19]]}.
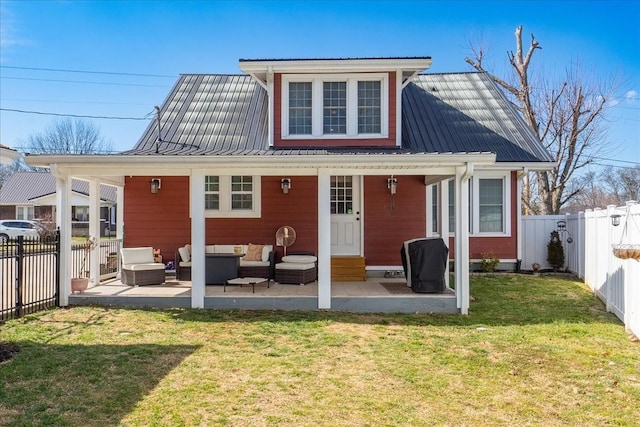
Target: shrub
{"points": [[555, 252], [489, 262]]}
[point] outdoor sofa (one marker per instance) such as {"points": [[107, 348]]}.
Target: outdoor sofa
{"points": [[258, 260], [139, 267]]}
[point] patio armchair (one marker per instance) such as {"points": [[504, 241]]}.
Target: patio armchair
{"points": [[139, 267]]}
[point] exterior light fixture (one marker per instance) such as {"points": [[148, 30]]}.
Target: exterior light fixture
{"points": [[392, 185], [285, 184], [615, 220], [155, 185]]}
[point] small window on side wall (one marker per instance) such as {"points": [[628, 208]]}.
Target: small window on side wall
{"points": [[236, 196]]}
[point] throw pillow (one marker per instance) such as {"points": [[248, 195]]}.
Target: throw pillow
{"points": [[254, 253], [184, 254]]}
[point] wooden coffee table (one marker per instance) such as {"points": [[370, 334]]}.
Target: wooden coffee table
{"points": [[246, 281]]}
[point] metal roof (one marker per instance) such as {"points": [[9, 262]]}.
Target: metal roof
{"points": [[209, 114], [462, 112], [22, 187], [441, 113]]}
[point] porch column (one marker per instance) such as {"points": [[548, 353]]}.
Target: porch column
{"points": [[120, 213], [462, 237], [63, 222], [94, 230], [443, 191], [324, 239], [196, 189]]}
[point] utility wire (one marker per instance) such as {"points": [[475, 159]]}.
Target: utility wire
{"points": [[615, 160], [87, 71], [73, 115], [82, 82]]}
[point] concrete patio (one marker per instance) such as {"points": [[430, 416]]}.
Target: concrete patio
{"points": [[376, 294]]}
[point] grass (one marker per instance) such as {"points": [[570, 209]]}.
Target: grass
{"points": [[533, 351]]}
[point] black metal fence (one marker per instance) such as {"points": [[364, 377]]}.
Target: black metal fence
{"points": [[30, 276], [108, 253]]}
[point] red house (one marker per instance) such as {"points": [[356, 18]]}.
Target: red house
{"points": [[371, 151]]}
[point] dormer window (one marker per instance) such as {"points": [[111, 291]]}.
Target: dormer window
{"points": [[335, 106]]}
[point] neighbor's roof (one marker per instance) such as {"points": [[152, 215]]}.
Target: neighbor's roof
{"points": [[22, 187], [227, 115]]}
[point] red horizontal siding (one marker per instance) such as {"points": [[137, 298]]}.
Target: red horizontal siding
{"points": [[162, 220], [388, 221]]}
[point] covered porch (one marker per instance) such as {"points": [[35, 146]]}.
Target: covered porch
{"points": [[318, 170]]}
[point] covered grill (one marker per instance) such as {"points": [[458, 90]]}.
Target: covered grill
{"points": [[425, 261]]}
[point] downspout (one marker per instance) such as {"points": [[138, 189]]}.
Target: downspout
{"points": [[521, 174]]}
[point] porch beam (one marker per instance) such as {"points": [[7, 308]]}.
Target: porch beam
{"points": [[198, 238], [324, 239]]}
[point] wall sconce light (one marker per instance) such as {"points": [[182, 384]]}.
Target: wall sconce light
{"points": [[285, 184], [155, 185], [392, 185], [615, 220]]}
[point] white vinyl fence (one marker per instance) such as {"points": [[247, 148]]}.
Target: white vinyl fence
{"points": [[588, 240]]}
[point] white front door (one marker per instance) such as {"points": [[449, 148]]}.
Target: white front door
{"points": [[345, 215]]}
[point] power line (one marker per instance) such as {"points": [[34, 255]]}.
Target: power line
{"points": [[615, 160], [82, 82], [73, 115], [87, 71]]}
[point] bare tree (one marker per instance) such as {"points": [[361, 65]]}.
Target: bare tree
{"points": [[623, 184], [69, 137], [567, 118]]}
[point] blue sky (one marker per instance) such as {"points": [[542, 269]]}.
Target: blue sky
{"points": [[160, 40]]}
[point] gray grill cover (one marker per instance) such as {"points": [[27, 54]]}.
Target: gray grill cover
{"points": [[424, 262]]}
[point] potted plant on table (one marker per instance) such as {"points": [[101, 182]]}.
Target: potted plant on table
{"points": [[80, 284]]}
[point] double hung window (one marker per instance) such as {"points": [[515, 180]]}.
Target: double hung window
{"points": [[335, 106], [235, 196]]}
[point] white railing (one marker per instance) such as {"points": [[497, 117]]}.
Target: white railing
{"points": [[590, 256]]}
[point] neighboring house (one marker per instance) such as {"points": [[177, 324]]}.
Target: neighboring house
{"points": [[32, 195], [375, 153], [7, 155]]}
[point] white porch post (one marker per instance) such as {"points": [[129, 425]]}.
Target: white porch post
{"points": [[196, 190], [462, 237], [324, 239], [443, 191], [63, 221], [94, 230], [119, 212]]}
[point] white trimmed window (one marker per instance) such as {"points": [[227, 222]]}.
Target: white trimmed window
{"points": [[335, 106], [490, 198], [235, 196], [24, 212]]}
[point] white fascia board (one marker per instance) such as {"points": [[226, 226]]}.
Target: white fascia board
{"points": [[402, 164], [531, 166], [8, 155], [335, 65]]}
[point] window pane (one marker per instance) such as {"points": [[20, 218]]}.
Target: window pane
{"points": [[335, 108], [434, 208], [212, 201], [369, 107], [211, 183], [452, 207], [490, 211], [341, 195], [241, 201], [300, 108]]}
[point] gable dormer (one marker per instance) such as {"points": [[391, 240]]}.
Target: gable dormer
{"points": [[334, 102]]}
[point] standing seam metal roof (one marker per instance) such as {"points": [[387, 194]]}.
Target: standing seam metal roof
{"points": [[22, 187], [441, 113]]}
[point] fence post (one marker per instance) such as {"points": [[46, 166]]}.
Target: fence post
{"points": [[609, 283], [19, 275]]}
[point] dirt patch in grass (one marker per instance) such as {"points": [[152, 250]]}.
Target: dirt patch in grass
{"points": [[7, 351]]}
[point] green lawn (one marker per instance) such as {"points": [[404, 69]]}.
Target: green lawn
{"points": [[533, 351]]}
